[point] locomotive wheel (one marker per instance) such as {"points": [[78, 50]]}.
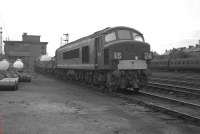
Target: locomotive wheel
{"points": [[81, 77], [136, 90], [89, 77], [76, 76], [111, 83], [108, 83], [95, 79], [15, 87]]}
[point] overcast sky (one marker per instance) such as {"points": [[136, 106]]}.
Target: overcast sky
{"points": [[161, 21]]}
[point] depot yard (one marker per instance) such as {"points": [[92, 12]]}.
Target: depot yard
{"points": [[50, 106]]}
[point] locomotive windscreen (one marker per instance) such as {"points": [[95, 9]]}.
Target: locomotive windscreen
{"points": [[137, 37], [123, 34]]}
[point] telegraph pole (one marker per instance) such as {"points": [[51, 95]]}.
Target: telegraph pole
{"points": [[1, 40], [66, 40]]}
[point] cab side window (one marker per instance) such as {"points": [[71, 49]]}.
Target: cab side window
{"points": [[85, 54]]}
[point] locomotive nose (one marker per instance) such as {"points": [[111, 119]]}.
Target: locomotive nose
{"points": [[129, 50]]}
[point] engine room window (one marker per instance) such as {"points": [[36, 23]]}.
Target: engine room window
{"points": [[137, 37], [124, 34], [110, 37], [71, 54]]}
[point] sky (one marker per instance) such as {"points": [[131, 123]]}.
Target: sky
{"points": [[162, 22]]}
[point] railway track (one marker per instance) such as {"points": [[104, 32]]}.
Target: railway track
{"points": [[176, 82], [181, 104], [167, 105], [175, 88], [175, 97], [181, 107], [182, 74], [178, 76]]}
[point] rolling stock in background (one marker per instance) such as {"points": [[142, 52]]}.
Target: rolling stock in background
{"points": [[178, 61]]}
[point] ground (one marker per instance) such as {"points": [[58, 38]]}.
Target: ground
{"points": [[50, 106]]}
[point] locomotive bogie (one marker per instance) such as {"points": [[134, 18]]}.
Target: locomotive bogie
{"points": [[107, 80]]}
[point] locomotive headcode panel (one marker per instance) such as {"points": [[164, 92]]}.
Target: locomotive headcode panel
{"points": [[115, 58]]}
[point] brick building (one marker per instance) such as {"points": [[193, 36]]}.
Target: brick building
{"points": [[28, 50]]}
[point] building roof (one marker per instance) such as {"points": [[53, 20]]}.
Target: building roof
{"points": [[30, 39], [40, 43]]}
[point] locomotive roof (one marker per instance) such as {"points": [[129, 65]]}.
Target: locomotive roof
{"points": [[98, 33]]}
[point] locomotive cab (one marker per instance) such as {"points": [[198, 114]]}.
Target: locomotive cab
{"points": [[125, 49]]}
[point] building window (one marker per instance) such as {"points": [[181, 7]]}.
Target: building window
{"points": [[43, 50]]}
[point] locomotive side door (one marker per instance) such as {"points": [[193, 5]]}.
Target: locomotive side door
{"points": [[98, 52]]}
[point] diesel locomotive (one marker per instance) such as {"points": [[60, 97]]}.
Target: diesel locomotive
{"points": [[114, 58]]}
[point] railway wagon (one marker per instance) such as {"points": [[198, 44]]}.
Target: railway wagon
{"points": [[160, 64], [113, 58], [185, 64], [189, 64]]}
